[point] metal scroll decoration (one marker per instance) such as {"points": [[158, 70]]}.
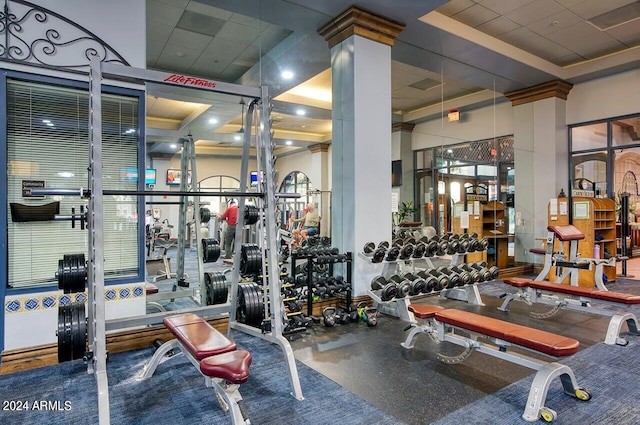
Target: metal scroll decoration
{"points": [[35, 35]]}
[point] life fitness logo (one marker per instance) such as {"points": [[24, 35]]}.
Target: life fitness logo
{"points": [[189, 81]]}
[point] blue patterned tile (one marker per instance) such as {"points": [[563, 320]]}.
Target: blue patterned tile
{"points": [[138, 291], [32, 304], [64, 299], [110, 295], [13, 306], [125, 293], [81, 297], [48, 302]]}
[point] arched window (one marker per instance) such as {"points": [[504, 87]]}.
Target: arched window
{"points": [[296, 182]]}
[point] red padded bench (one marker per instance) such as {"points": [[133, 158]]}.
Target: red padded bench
{"points": [[216, 357], [441, 325], [577, 298]]}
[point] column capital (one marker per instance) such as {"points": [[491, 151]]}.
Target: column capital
{"points": [[557, 88], [402, 126], [319, 147], [356, 21]]}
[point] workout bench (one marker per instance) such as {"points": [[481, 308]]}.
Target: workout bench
{"points": [[223, 366], [441, 325], [569, 267], [575, 298]]}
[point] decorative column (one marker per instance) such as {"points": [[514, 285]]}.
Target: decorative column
{"points": [[541, 152], [407, 192], [360, 44]]}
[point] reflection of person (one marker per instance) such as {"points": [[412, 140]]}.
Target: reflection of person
{"points": [[231, 216], [310, 220]]}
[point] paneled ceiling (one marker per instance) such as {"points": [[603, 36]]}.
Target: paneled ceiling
{"points": [[462, 53]]}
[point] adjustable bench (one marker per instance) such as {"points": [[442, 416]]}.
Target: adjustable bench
{"points": [[441, 325], [571, 265], [575, 298], [223, 366]]}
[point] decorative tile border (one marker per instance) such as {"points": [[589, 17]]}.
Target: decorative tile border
{"points": [[44, 302]]}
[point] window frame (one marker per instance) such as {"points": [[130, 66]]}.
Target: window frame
{"points": [[80, 85]]}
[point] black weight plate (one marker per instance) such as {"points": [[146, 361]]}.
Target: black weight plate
{"points": [[406, 251], [251, 214], [79, 330], [419, 250], [205, 215], [208, 284], [430, 284], [417, 286], [241, 309], [392, 254], [65, 351], [378, 255]]}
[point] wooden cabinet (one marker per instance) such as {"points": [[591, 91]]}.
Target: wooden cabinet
{"points": [[596, 218], [488, 222]]}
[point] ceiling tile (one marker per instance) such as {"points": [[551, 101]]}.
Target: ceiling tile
{"points": [[239, 33], [534, 11], [498, 26], [628, 33], [475, 15], [503, 7], [224, 48], [209, 65], [181, 37], [247, 21], [590, 8], [233, 72], [204, 9], [455, 6], [169, 58], [533, 43], [156, 39], [203, 24], [554, 22], [176, 3], [583, 38], [161, 13], [267, 41], [569, 59], [250, 53]]}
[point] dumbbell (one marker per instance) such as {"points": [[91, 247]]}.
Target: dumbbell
{"points": [[388, 289], [442, 280], [465, 276], [493, 270], [419, 250], [393, 253], [463, 245], [397, 242], [403, 286], [452, 247], [474, 275], [443, 246], [454, 278], [383, 245], [378, 255], [417, 283], [369, 248], [482, 269], [406, 251], [430, 281]]}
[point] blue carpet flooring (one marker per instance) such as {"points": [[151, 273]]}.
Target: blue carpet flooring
{"points": [[176, 393]]}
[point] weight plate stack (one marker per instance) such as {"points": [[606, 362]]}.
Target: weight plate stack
{"points": [[205, 215], [72, 273], [250, 309], [217, 289], [210, 250], [72, 332], [251, 214], [250, 259]]}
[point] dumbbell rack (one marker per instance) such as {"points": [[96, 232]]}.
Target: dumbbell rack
{"points": [[311, 258], [399, 307]]}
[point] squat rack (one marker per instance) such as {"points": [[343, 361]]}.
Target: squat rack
{"points": [[96, 322]]}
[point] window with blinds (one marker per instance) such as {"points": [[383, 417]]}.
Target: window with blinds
{"points": [[48, 140]]}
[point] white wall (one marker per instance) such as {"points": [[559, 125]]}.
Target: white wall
{"points": [[604, 98], [478, 124]]}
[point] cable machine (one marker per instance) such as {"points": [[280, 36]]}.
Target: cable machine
{"points": [[259, 109]]}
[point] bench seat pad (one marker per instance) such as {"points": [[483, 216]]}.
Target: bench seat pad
{"points": [[198, 336], [568, 232], [150, 288], [232, 366], [534, 339], [582, 291]]}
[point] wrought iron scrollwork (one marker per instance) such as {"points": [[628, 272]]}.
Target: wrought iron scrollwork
{"points": [[35, 35]]}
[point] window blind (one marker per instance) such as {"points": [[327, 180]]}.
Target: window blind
{"points": [[47, 139]]}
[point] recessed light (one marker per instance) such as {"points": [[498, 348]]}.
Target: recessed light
{"points": [[66, 174], [180, 54], [288, 143], [237, 137], [303, 126], [287, 75], [173, 146], [213, 121], [301, 112]]}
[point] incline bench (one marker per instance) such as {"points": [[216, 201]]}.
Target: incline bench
{"points": [[577, 298], [441, 324], [213, 354], [571, 265]]}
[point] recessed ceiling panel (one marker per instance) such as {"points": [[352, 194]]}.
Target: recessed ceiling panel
{"points": [[202, 24]]}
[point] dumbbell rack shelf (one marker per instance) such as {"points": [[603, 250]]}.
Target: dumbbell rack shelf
{"points": [[398, 307], [311, 259]]}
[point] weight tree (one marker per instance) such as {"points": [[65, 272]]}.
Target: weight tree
{"points": [[97, 326]]}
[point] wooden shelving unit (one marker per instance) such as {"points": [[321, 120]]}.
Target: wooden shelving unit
{"points": [[596, 218], [489, 222]]}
